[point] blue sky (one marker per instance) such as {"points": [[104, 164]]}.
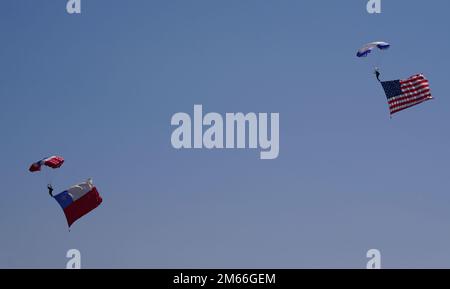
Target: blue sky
{"points": [[100, 89]]}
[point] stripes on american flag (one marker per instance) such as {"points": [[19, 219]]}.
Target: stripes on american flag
{"points": [[402, 94]]}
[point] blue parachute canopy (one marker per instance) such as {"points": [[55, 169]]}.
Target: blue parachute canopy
{"points": [[366, 49]]}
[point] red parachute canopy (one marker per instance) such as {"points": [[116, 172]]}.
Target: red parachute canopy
{"points": [[53, 162]]}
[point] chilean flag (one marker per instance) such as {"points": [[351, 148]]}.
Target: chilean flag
{"points": [[79, 200]]}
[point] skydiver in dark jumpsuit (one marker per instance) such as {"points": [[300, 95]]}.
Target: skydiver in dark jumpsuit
{"points": [[50, 190], [377, 74]]}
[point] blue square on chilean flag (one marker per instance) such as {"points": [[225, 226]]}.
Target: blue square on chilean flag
{"points": [[64, 199]]}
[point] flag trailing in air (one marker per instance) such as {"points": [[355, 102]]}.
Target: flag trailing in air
{"points": [[79, 200], [402, 94]]}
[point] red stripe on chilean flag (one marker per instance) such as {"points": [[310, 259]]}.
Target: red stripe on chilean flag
{"points": [[82, 206]]}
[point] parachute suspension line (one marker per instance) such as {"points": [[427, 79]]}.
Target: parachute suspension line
{"points": [[44, 166], [368, 49], [377, 65], [48, 180], [378, 60]]}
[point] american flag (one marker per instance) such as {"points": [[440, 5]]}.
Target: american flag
{"points": [[402, 94]]}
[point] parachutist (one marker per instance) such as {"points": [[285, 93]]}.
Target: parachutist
{"points": [[377, 74], [50, 190]]}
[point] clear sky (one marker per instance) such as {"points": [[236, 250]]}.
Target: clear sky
{"points": [[100, 89]]}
